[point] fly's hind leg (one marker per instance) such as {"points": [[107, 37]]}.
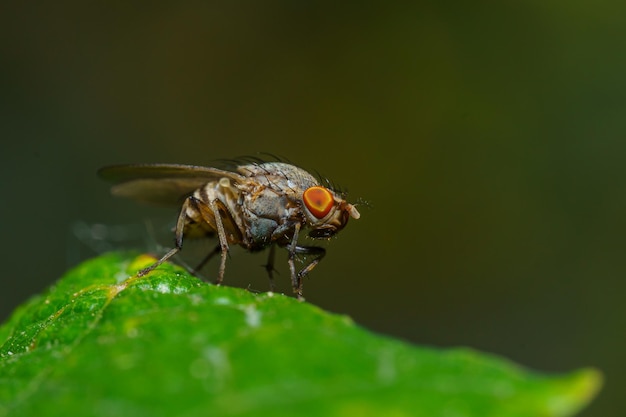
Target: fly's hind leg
{"points": [[212, 213], [180, 227]]}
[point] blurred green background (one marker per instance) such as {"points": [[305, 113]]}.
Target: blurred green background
{"points": [[489, 138]]}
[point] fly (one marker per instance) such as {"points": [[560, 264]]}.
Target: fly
{"points": [[256, 205]]}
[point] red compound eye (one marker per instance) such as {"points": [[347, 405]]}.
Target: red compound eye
{"points": [[318, 200]]}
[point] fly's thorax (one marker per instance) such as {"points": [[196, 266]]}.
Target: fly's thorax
{"points": [[268, 213], [268, 203], [279, 176]]}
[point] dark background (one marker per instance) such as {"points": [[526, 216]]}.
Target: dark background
{"points": [[489, 137]]}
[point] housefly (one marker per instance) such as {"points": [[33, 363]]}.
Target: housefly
{"points": [[255, 205]]}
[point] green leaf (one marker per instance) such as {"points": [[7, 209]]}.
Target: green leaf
{"points": [[102, 342]]}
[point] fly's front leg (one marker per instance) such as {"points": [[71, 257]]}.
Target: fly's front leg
{"points": [[296, 282], [317, 252], [180, 227]]}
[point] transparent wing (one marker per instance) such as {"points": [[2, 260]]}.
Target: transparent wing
{"points": [[161, 183]]}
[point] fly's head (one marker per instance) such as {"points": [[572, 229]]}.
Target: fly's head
{"points": [[326, 212]]}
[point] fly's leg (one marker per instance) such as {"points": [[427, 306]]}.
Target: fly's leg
{"points": [[316, 251], [269, 266], [180, 226], [211, 214], [207, 258], [296, 279], [223, 242]]}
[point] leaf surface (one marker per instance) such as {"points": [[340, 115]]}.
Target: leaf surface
{"points": [[102, 342]]}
